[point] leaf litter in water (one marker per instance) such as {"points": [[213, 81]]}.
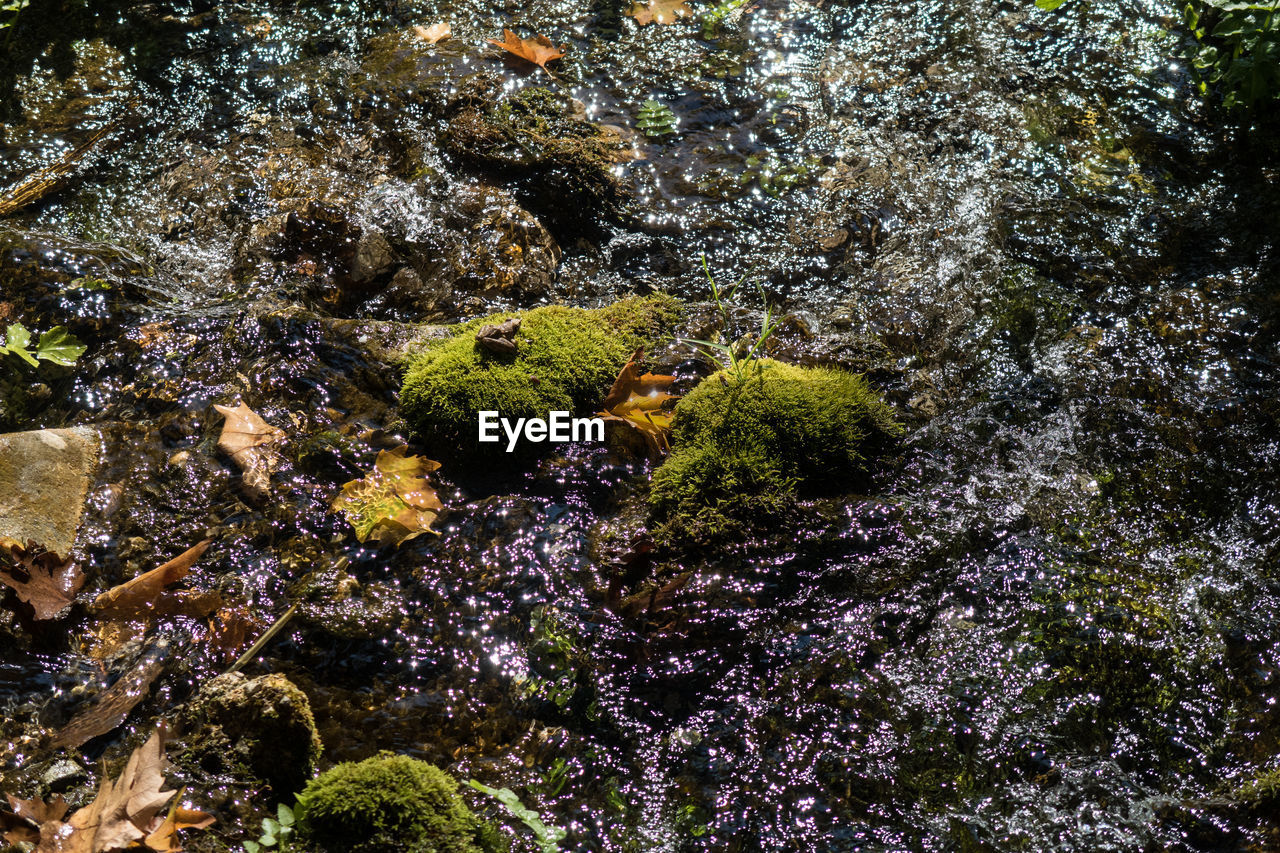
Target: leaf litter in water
{"points": [[42, 579], [250, 442], [125, 814], [659, 11], [539, 50], [437, 32], [393, 503], [639, 401]]}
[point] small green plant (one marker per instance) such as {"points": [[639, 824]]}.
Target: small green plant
{"points": [[726, 11], [56, 345], [547, 837], [275, 833], [9, 12], [87, 282], [656, 119], [740, 367], [1237, 49], [553, 781]]}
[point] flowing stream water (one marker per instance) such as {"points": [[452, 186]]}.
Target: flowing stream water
{"points": [[1050, 622]]}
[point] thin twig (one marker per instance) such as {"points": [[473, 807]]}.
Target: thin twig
{"points": [[265, 638]]}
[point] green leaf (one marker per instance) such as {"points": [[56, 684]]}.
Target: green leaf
{"points": [[16, 339], [656, 119], [59, 346], [284, 815], [548, 837], [1049, 5], [252, 847]]}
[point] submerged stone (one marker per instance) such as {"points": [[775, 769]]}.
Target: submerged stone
{"points": [[44, 478], [259, 730]]}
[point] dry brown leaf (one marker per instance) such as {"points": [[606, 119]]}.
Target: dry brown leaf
{"points": [[639, 400], [539, 50], [40, 578], [250, 442], [124, 814], [437, 32], [113, 706], [141, 595], [659, 11]]}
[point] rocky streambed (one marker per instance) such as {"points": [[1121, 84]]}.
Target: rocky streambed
{"points": [[1041, 613]]}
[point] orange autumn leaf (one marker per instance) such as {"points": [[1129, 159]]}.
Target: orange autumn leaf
{"points": [[437, 32], [659, 11], [143, 593], [539, 50], [640, 400], [42, 579]]}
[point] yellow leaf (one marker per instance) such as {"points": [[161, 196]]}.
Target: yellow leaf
{"points": [[393, 502]]}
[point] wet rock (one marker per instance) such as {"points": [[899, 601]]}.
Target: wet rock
{"points": [[44, 478], [560, 165], [62, 776], [256, 729]]}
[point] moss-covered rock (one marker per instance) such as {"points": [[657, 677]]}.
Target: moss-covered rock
{"points": [[561, 162], [259, 730], [565, 359], [742, 451], [389, 804]]}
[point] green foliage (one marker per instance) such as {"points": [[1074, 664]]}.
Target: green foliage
{"points": [[656, 119], [775, 177], [547, 837], [566, 359], [737, 366], [743, 448], [387, 804], [719, 14], [1237, 50], [10, 10], [57, 345], [275, 833]]}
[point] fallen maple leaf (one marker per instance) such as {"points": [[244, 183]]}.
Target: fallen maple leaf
{"points": [[124, 814], [438, 31], [50, 582], [638, 400], [659, 11], [249, 441], [539, 50], [393, 502], [144, 594]]}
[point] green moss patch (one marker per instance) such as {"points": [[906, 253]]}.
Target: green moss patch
{"points": [[566, 360], [388, 804], [743, 451]]}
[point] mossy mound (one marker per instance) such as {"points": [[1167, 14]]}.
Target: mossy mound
{"points": [[389, 804], [562, 163], [566, 360], [742, 451]]}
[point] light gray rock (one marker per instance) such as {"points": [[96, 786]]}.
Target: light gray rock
{"points": [[44, 477]]}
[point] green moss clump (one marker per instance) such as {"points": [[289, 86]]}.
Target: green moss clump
{"points": [[389, 804], [743, 450], [566, 360]]}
